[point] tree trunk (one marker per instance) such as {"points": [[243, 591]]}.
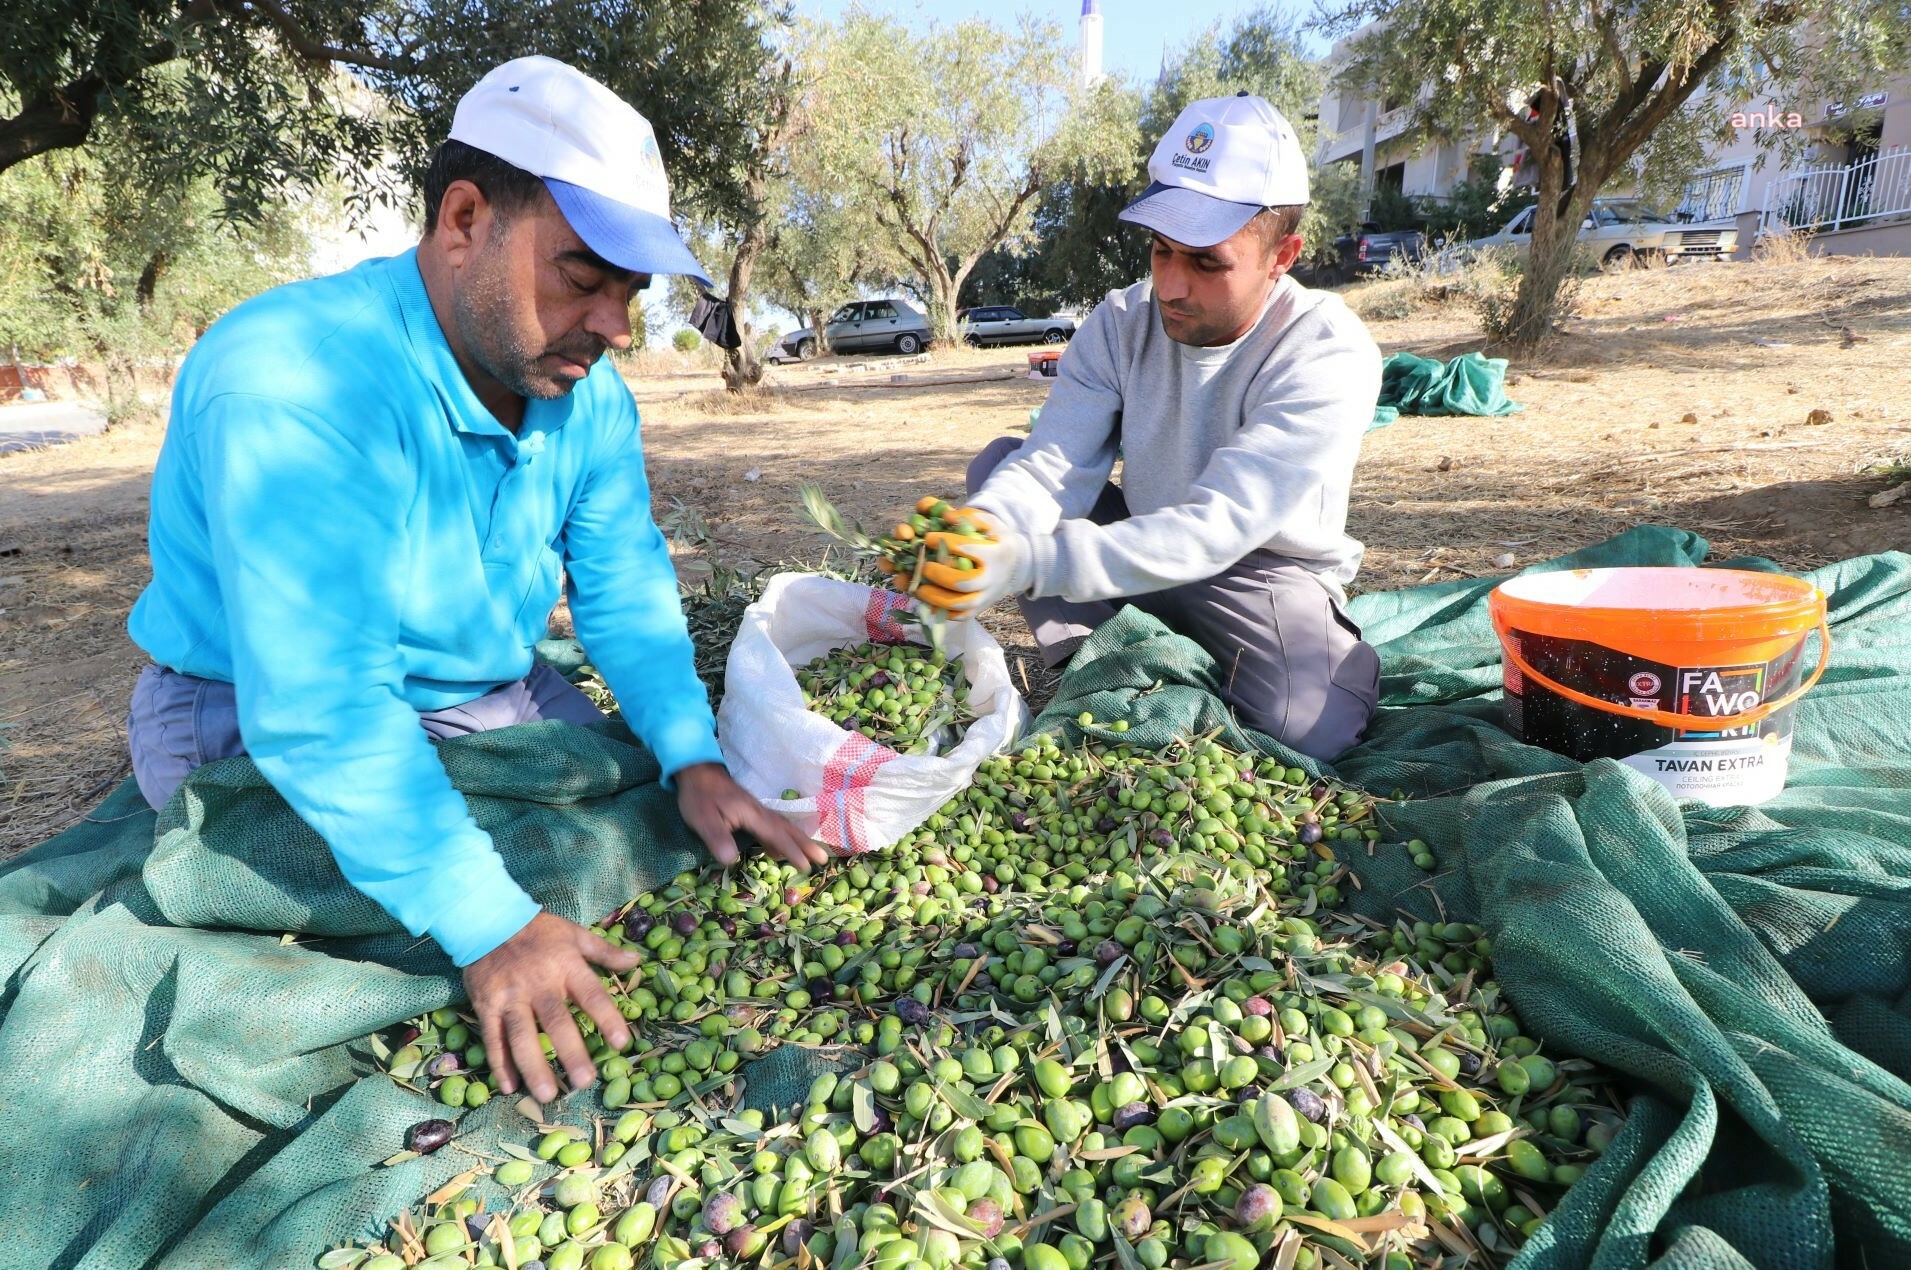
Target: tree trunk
{"points": [[942, 303], [149, 281], [742, 367], [1557, 216]]}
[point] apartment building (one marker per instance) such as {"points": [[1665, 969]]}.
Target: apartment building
{"points": [[1852, 188]]}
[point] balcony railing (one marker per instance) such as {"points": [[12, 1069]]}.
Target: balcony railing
{"points": [[1838, 196]]}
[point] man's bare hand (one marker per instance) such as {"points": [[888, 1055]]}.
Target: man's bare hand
{"points": [[526, 984], [716, 807]]}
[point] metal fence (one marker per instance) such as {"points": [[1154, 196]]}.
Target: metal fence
{"points": [[1838, 196]]}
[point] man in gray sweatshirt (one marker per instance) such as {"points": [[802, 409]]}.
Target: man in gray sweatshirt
{"points": [[1236, 400]]}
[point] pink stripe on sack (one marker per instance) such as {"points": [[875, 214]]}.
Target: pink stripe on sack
{"points": [[879, 616], [850, 770]]}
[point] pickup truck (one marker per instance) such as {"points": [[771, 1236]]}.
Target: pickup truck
{"points": [[999, 324], [1368, 251]]}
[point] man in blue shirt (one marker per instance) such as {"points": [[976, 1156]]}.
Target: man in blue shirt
{"points": [[369, 488]]}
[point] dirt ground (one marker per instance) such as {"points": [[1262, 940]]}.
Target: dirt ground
{"points": [[1748, 402]]}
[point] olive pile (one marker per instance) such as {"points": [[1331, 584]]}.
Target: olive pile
{"points": [[1100, 1010], [912, 699]]}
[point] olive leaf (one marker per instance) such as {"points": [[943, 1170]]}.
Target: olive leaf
{"points": [[963, 1103], [823, 514], [863, 1107], [1305, 1074], [1107, 978]]}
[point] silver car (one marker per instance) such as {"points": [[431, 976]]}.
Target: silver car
{"points": [[999, 324], [860, 326], [1625, 231]]}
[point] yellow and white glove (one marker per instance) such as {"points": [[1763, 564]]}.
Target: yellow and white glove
{"points": [[1001, 566]]}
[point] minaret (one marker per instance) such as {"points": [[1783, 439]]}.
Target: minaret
{"points": [[1091, 43]]}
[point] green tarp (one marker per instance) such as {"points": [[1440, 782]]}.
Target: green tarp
{"points": [[1471, 384], [180, 1081]]}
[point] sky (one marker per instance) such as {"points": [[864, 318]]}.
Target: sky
{"points": [[1135, 33]]}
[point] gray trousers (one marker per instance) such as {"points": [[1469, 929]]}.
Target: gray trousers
{"points": [[1292, 662], [178, 722]]}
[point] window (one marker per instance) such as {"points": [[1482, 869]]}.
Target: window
{"points": [[1008, 315], [881, 309], [1712, 195], [848, 313]]}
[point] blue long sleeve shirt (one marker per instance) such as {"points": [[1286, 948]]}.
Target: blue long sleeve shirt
{"points": [[345, 533]]}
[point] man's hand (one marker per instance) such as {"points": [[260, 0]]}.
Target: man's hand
{"points": [[1001, 567], [526, 984], [716, 806]]}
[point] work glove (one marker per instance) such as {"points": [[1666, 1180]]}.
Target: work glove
{"points": [[1001, 566]]}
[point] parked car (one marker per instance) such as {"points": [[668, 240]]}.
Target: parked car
{"points": [[1371, 249], [1000, 324], [1625, 231], [861, 326]]}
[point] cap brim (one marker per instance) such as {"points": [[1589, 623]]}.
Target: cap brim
{"points": [[1189, 217], [628, 237]]}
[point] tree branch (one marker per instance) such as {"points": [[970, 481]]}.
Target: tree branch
{"points": [[1609, 37], [1633, 133], [57, 120], [300, 41], [1516, 124], [62, 118]]}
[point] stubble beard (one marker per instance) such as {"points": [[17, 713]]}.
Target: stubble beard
{"points": [[486, 318]]}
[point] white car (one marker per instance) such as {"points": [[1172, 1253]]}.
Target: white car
{"points": [[1626, 231], [999, 324]]}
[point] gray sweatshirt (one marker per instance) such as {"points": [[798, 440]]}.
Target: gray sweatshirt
{"points": [[1223, 450]]}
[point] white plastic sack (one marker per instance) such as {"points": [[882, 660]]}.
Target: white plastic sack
{"points": [[857, 796]]}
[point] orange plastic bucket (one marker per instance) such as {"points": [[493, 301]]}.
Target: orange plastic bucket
{"points": [[1686, 674]]}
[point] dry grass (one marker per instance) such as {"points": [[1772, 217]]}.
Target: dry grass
{"points": [[1683, 396]]}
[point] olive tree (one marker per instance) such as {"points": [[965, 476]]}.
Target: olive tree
{"points": [[944, 139], [1604, 91], [262, 96]]}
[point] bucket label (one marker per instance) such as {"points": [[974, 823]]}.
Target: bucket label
{"points": [[1721, 772], [1721, 766]]}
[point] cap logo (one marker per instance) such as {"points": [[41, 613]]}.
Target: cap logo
{"points": [[1200, 139]]}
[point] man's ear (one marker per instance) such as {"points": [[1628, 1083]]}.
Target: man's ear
{"points": [[460, 211], [1285, 255]]}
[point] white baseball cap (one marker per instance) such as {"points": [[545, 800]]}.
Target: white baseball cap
{"points": [[596, 154], [1224, 160]]}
